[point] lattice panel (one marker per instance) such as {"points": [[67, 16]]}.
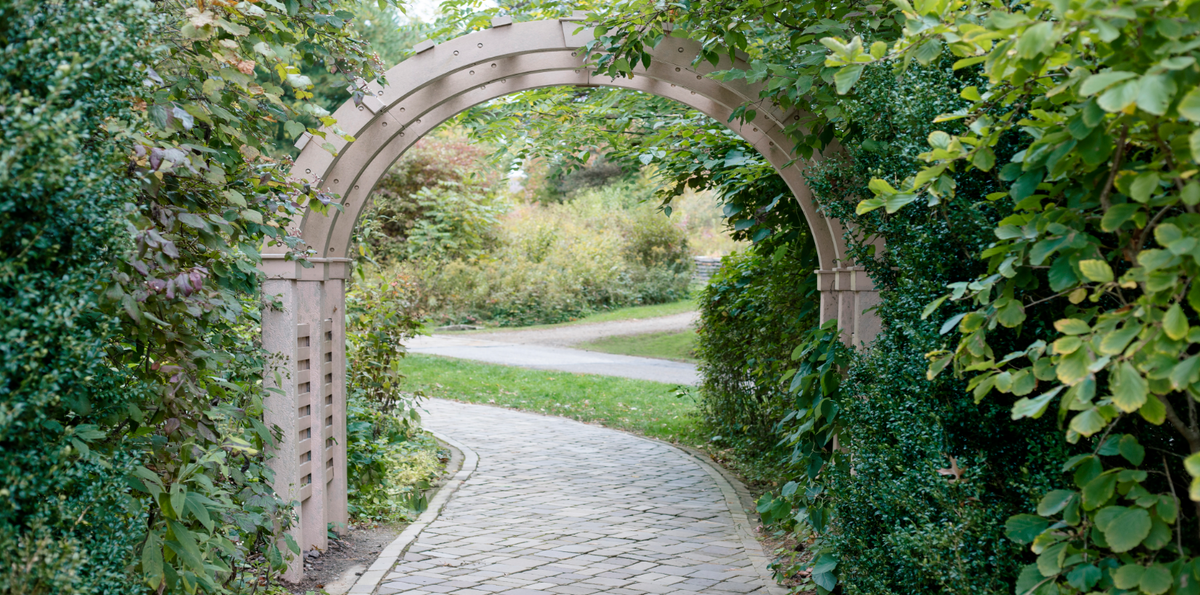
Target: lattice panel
{"points": [[304, 411], [327, 396]]}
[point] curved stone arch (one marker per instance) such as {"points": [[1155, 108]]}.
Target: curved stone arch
{"points": [[429, 88]]}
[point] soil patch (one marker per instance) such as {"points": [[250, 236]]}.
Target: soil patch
{"points": [[361, 545]]}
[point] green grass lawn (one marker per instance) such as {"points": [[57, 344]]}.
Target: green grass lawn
{"points": [[676, 345], [640, 406]]}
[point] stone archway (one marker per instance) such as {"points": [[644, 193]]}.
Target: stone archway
{"points": [[424, 91]]}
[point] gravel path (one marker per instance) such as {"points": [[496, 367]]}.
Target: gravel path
{"points": [[566, 336], [559, 507]]}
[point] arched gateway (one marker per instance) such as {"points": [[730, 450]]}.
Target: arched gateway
{"points": [[424, 91]]}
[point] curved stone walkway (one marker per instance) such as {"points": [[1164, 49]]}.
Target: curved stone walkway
{"points": [[556, 506]]}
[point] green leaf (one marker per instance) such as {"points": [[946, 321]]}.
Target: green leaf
{"points": [[1061, 274], [1096, 270], [880, 186], [1189, 106], [1156, 580], [185, 546], [1119, 97], [1116, 216], [1072, 326], [1185, 373], [1098, 82], [1127, 529], [1128, 576], [1144, 186], [898, 201], [1175, 322], [294, 128], [1034, 407], [1024, 528], [984, 159], [1089, 422], [1084, 577], [1115, 342], [1073, 367], [846, 77], [1153, 411], [1131, 450], [1099, 490], [1011, 314], [1036, 40], [152, 560], [1029, 579], [1155, 93], [1128, 387], [1053, 502], [192, 220]]}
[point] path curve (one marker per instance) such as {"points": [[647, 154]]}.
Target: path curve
{"points": [[574, 334], [566, 359], [555, 506]]}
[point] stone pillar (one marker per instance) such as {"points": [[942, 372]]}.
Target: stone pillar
{"points": [[848, 295], [305, 337]]}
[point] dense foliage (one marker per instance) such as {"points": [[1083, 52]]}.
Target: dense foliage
{"points": [[1088, 296], [140, 183], [907, 486]]}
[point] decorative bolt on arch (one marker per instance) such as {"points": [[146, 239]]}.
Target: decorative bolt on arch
{"points": [[429, 88]]}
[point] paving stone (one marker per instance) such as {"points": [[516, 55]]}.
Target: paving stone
{"points": [[557, 507]]}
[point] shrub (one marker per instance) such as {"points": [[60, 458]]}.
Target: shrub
{"points": [[389, 460], [552, 263], [752, 314]]}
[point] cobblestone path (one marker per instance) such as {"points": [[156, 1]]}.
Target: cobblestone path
{"points": [[557, 506]]}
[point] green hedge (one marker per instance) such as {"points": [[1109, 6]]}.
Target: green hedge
{"points": [[935, 475], [67, 523], [751, 313]]}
